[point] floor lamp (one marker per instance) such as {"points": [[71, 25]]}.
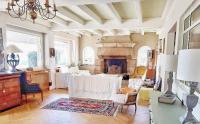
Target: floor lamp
{"points": [[189, 70]]}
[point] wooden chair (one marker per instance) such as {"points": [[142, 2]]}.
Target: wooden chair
{"points": [[124, 98], [131, 99], [27, 88]]}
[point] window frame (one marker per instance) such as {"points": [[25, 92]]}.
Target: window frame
{"points": [[83, 59], [29, 32], [149, 48]]}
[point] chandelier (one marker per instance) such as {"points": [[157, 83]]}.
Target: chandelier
{"points": [[22, 8]]}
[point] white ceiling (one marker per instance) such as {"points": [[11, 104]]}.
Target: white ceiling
{"points": [[108, 17]]}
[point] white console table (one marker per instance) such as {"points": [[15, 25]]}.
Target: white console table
{"points": [[161, 113]]}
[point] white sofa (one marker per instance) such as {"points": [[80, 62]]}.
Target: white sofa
{"points": [[94, 86]]}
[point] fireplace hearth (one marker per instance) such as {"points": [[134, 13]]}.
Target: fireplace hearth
{"points": [[115, 66]]}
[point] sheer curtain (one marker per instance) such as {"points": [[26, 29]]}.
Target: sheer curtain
{"points": [[74, 52], [62, 51]]}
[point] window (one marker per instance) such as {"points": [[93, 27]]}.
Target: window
{"points": [[31, 46], [88, 56], [191, 33], [194, 37], [195, 16], [187, 23], [142, 58], [62, 50]]}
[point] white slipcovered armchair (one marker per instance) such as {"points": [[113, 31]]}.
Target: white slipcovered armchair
{"points": [[126, 99]]}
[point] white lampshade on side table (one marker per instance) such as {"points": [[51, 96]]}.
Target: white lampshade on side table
{"points": [[170, 66], [11, 49], [170, 62], [189, 70]]}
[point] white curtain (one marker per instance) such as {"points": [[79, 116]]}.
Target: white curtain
{"points": [[74, 51], [63, 51]]}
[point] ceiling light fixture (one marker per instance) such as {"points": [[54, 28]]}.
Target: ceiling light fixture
{"points": [[21, 8]]}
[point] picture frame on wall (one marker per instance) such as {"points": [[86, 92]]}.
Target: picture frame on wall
{"points": [[162, 46], [51, 52]]}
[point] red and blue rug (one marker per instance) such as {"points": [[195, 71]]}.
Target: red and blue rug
{"points": [[81, 105]]}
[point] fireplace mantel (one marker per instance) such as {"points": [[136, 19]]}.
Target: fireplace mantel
{"points": [[114, 57], [105, 53], [115, 52]]}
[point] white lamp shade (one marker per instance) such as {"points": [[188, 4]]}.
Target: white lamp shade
{"points": [[189, 65], [169, 62], [11, 49]]}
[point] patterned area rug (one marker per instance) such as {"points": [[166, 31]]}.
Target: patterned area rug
{"points": [[90, 106]]}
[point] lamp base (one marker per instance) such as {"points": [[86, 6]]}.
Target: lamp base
{"points": [[169, 85], [191, 102], [13, 69], [13, 61], [189, 120], [167, 99]]}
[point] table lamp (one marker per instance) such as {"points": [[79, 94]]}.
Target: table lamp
{"points": [[169, 65], [189, 70], [12, 57]]}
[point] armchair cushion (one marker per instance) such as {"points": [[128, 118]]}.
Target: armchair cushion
{"points": [[126, 90], [139, 71], [32, 88]]}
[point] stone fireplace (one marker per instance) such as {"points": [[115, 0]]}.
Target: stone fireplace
{"points": [[114, 60]]}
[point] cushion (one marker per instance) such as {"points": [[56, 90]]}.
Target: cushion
{"points": [[126, 90]]}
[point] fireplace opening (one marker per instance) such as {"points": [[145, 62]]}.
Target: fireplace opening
{"points": [[115, 66]]}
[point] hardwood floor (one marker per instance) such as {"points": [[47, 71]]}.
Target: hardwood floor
{"points": [[31, 113]]}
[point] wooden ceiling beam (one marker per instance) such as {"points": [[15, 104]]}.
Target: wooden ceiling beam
{"points": [[97, 32], [67, 15], [151, 23], [91, 14], [166, 9], [83, 2], [59, 21], [114, 12], [138, 10]]}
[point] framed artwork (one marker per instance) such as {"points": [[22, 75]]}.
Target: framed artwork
{"points": [[52, 52], [162, 46], [1, 49]]}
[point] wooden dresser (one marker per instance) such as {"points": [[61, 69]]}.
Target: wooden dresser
{"points": [[9, 90], [40, 77]]}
